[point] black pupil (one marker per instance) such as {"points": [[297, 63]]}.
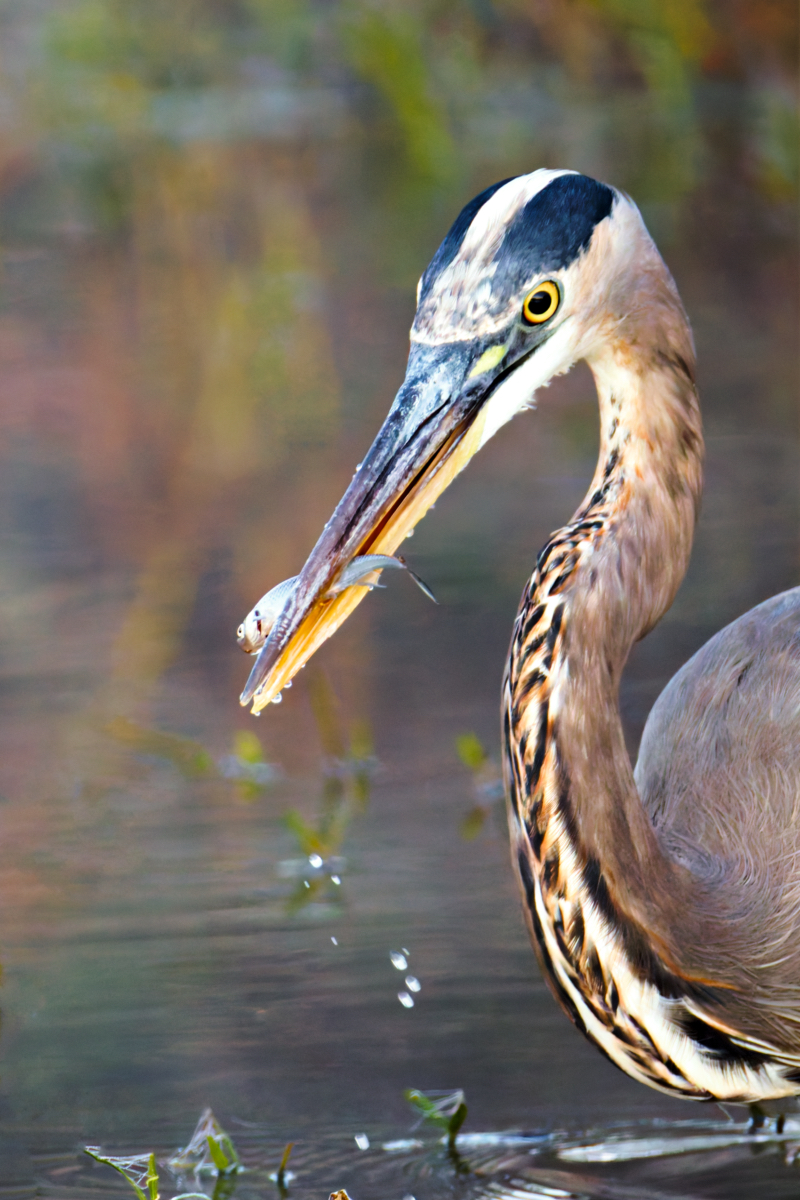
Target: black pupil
{"points": [[539, 303]]}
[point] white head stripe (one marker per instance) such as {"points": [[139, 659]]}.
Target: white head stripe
{"points": [[501, 208]]}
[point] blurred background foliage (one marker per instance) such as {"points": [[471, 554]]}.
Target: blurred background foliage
{"points": [[186, 140], [445, 90]]}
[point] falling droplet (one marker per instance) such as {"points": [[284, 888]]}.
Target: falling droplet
{"points": [[335, 942], [412, 983], [362, 1141], [335, 879], [306, 883], [398, 960], [406, 1000], [315, 860], [406, 952], [276, 699]]}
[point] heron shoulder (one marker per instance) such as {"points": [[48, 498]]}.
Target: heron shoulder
{"points": [[719, 763]]}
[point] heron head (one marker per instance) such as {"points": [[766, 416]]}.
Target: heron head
{"points": [[530, 278]]}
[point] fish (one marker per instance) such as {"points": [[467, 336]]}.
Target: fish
{"points": [[257, 625]]}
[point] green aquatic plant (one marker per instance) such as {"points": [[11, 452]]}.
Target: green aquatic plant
{"points": [[470, 750], [348, 766], [487, 783], [282, 1176], [190, 757], [248, 767], [139, 1170], [446, 1110], [209, 1152]]}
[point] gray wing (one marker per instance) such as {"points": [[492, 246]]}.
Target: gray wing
{"points": [[719, 774], [719, 762]]}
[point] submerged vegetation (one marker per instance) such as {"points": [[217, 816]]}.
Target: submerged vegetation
{"points": [[487, 784], [211, 1154]]}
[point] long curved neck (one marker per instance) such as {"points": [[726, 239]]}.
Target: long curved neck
{"points": [[600, 583]]}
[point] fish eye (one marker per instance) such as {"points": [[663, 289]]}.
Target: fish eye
{"points": [[540, 304]]}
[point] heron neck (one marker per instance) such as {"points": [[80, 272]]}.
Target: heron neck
{"points": [[600, 584]]}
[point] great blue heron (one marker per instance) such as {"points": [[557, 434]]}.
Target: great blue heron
{"points": [[663, 903]]}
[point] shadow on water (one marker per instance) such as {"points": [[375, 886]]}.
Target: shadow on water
{"points": [[212, 221]]}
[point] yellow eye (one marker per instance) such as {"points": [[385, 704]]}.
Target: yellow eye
{"points": [[541, 303]]}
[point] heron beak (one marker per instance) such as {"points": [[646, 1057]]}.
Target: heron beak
{"points": [[431, 432]]}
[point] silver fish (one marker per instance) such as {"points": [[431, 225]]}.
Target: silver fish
{"points": [[257, 625]]}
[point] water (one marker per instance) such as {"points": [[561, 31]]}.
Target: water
{"points": [[211, 232]]}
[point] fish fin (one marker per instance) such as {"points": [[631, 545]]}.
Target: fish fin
{"points": [[422, 585]]}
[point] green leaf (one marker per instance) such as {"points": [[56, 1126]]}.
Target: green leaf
{"points": [[362, 745], [425, 1107], [151, 1179], [308, 839], [190, 757], [126, 1167], [218, 1156], [446, 1110], [284, 1163], [473, 822], [247, 747], [456, 1121], [470, 751], [210, 1147]]}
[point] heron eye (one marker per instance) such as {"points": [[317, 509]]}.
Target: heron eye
{"points": [[540, 304]]}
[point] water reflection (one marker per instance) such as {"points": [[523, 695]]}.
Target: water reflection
{"points": [[645, 1161], [212, 220]]}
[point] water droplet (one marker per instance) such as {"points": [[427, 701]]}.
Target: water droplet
{"points": [[335, 942], [306, 883], [335, 879], [406, 952], [410, 534], [412, 983], [288, 684], [276, 699], [406, 1000], [315, 860], [398, 960], [362, 1141]]}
